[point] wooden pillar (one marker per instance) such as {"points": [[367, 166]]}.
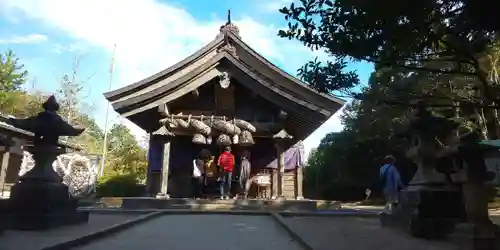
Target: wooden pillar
{"points": [[279, 139], [149, 176], [274, 183], [4, 167], [298, 183], [281, 168], [165, 169]]}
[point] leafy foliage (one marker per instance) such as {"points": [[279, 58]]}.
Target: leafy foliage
{"points": [[20, 104], [328, 77], [12, 73], [375, 127], [444, 52], [124, 157], [119, 186], [405, 34]]}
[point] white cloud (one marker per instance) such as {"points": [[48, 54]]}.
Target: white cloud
{"points": [[28, 39], [78, 48], [151, 36], [274, 5]]}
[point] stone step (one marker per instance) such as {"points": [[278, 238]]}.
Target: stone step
{"points": [[206, 204]]}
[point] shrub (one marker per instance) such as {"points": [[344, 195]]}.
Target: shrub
{"points": [[492, 192], [119, 186]]}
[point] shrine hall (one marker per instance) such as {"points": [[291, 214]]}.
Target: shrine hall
{"points": [[225, 94]]}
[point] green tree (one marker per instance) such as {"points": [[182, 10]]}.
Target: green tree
{"points": [[21, 104], [12, 77], [124, 155], [12, 73], [406, 34], [346, 163]]}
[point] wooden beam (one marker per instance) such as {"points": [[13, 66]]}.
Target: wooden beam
{"points": [[281, 168], [298, 183], [163, 109], [274, 183], [149, 177], [4, 168]]}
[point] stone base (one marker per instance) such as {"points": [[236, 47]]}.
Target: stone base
{"points": [[3, 214], [466, 236], [38, 205], [426, 213], [162, 196]]}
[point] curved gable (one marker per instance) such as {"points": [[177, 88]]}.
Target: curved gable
{"points": [[284, 79], [147, 82]]}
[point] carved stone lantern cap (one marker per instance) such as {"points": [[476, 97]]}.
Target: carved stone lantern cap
{"points": [[282, 135], [424, 122], [51, 104], [163, 131], [48, 125]]}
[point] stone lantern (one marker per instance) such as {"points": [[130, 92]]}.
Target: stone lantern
{"points": [[40, 200], [449, 184], [431, 205]]}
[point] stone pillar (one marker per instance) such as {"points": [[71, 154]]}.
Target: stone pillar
{"points": [[4, 166], [281, 168], [164, 170], [298, 183], [476, 201]]}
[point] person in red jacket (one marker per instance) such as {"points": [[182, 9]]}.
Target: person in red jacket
{"points": [[226, 166]]}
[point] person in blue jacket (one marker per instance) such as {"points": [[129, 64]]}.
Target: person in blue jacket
{"points": [[391, 182]]}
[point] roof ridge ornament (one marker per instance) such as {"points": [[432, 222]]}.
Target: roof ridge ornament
{"points": [[229, 27], [224, 32]]}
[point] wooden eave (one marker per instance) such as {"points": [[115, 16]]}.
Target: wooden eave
{"points": [[127, 90], [279, 95], [163, 90], [241, 72], [280, 79], [288, 81]]}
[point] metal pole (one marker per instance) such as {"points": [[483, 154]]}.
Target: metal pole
{"points": [[104, 147]]}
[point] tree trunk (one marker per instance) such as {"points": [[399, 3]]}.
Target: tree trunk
{"points": [[482, 123], [496, 121]]}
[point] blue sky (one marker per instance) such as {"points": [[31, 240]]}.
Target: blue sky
{"points": [[149, 36]]}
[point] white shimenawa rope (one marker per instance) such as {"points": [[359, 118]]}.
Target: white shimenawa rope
{"points": [[77, 171]]}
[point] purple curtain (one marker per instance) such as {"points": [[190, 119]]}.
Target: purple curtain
{"points": [[155, 155], [294, 157]]}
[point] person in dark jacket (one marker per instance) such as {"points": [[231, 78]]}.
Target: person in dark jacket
{"points": [[198, 173], [245, 170]]}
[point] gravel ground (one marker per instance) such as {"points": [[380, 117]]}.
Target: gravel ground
{"points": [[33, 240], [207, 232], [339, 233]]}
